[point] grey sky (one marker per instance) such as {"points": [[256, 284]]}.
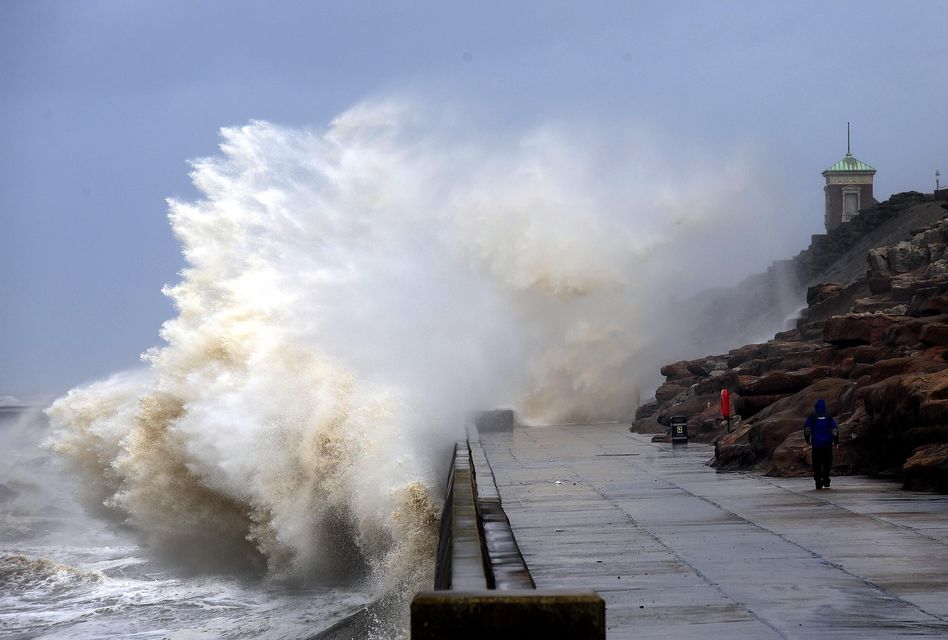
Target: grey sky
{"points": [[102, 103]]}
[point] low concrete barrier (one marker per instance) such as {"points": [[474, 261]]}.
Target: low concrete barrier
{"points": [[508, 615], [505, 566], [483, 587], [496, 420]]}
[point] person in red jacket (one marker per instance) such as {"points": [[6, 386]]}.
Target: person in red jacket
{"points": [[823, 432]]}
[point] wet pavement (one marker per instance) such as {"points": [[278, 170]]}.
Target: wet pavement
{"points": [[678, 550]]}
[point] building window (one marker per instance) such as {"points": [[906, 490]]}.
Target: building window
{"points": [[850, 205]]}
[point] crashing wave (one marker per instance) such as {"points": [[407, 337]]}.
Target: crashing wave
{"points": [[350, 295]]}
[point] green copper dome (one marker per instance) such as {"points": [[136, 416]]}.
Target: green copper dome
{"points": [[849, 163]]}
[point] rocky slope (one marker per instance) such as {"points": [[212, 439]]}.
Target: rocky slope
{"points": [[766, 302], [874, 347]]}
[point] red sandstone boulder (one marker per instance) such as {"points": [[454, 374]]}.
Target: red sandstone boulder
{"points": [[803, 378], [879, 284], [811, 330], [703, 425], [737, 357], [646, 410], [857, 329], [866, 354], [822, 292], [704, 366], [927, 467], [934, 411], [884, 369], [896, 398], [889, 367], [792, 457], [935, 353], [934, 333], [760, 366], [676, 370], [904, 332], [690, 408], [878, 265], [929, 306], [748, 406], [781, 382], [732, 455], [715, 382], [791, 350], [649, 425], [780, 356], [905, 412], [669, 391]]}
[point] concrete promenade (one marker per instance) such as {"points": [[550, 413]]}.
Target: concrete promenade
{"points": [[678, 550]]}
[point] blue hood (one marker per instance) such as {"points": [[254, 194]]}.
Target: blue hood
{"points": [[820, 407]]}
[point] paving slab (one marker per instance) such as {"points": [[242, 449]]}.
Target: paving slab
{"points": [[679, 550]]}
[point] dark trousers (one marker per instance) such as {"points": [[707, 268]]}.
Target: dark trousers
{"points": [[822, 461]]}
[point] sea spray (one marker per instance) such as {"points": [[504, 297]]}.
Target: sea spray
{"points": [[350, 296]]}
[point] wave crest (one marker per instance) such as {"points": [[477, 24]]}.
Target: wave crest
{"points": [[20, 574]]}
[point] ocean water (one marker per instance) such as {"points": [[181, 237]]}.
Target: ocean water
{"points": [[65, 573]]}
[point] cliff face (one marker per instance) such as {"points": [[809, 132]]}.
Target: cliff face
{"points": [[767, 302], [840, 256], [874, 346]]}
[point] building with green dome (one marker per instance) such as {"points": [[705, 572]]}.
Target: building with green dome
{"points": [[848, 189]]}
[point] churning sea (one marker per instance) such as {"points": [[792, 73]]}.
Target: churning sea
{"points": [[65, 573]]}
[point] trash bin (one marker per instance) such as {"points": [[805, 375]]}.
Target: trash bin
{"points": [[679, 429]]}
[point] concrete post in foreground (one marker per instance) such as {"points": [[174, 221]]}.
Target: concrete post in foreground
{"points": [[508, 615]]}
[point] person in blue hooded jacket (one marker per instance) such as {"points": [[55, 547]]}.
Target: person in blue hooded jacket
{"points": [[822, 431]]}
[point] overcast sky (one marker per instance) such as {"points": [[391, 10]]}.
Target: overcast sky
{"points": [[102, 104]]}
